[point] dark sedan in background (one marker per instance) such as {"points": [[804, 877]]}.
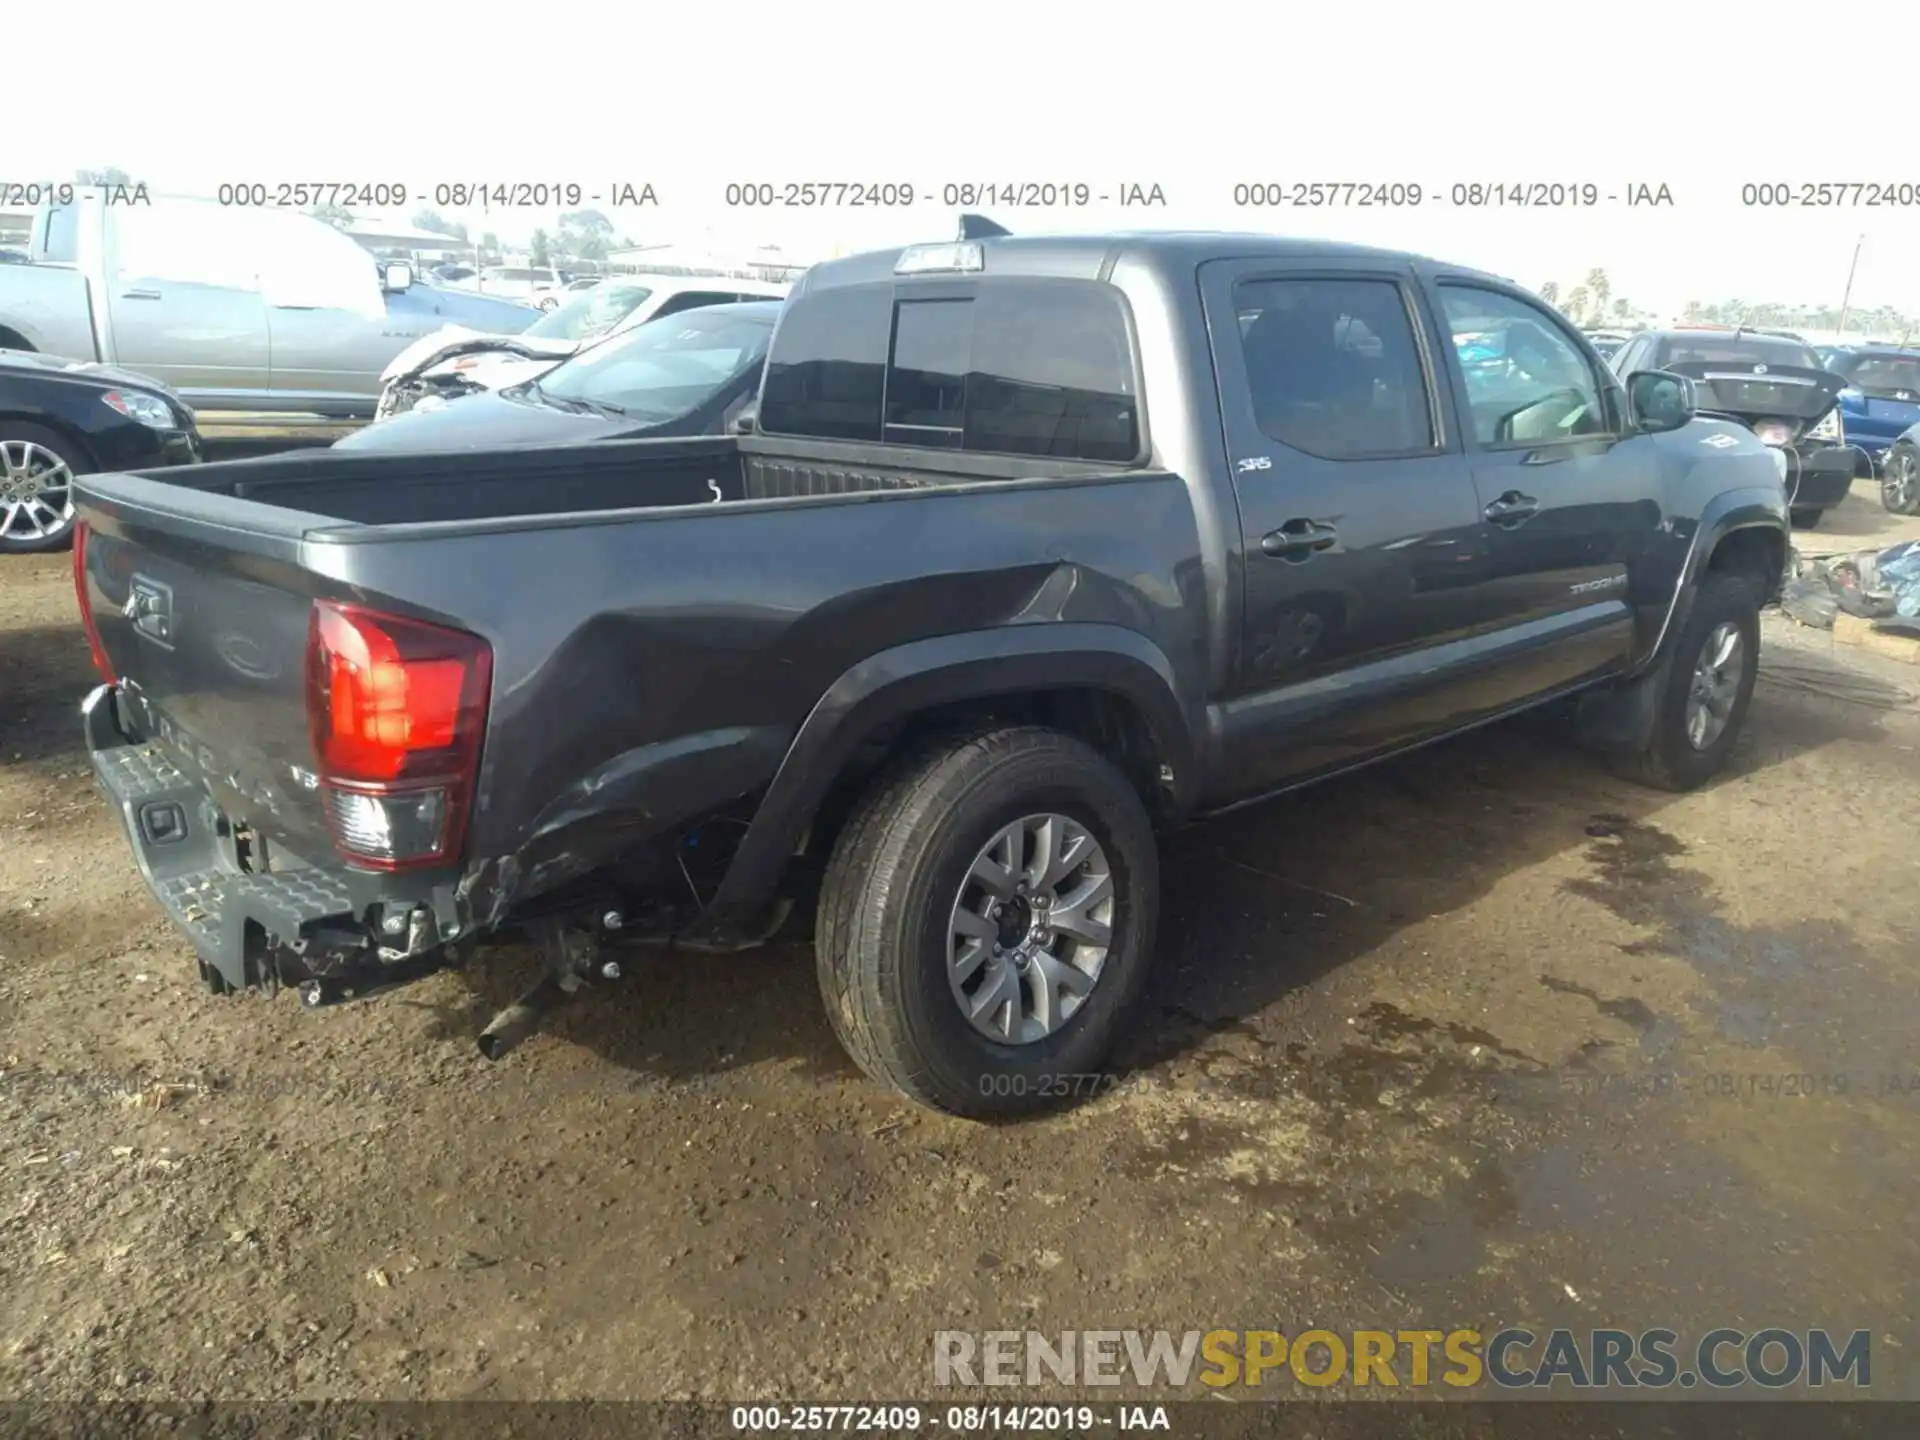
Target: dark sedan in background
{"points": [[687, 374], [1772, 383], [59, 419]]}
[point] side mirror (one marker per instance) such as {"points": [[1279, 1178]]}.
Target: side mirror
{"points": [[396, 276], [1659, 400], [743, 422]]}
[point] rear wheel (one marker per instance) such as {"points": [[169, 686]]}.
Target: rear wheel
{"points": [[1900, 483], [987, 920], [1716, 660], [37, 471], [1804, 517]]}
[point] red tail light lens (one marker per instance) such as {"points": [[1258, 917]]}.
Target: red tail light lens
{"points": [[396, 708], [100, 661]]}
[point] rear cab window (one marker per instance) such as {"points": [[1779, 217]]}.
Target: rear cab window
{"points": [[1746, 350], [1015, 366], [1884, 376]]}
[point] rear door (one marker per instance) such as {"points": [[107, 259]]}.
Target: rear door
{"points": [[184, 301], [1359, 523], [1567, 494]]}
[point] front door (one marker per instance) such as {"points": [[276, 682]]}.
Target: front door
{"points": [[1359, 523], [1568, 493], [184, 303]]}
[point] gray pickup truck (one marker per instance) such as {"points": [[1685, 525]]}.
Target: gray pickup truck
{"points": [[1038, 545], [238, 310]]}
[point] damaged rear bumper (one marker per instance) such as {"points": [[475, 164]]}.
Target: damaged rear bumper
{"points": [[332, 929]]}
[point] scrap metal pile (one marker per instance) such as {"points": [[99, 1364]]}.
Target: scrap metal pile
{"points": [[1882, 586]]}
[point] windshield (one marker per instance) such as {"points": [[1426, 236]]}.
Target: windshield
{"points": [[661, 371], [1739, 350], [591, 313], [1886, 374]]}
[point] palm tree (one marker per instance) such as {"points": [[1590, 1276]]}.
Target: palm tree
{"points": [[1622, 310], [1550, 292], [1576, 306], [1600, 288]]}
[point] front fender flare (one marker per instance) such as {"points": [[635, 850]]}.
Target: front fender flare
{"points": [[909, 679], [1745, 508]]}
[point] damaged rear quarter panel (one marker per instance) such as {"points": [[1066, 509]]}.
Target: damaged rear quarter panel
{"points": [[650, 667]]}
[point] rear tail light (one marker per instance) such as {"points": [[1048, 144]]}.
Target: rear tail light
{"points": [[396, 708], [100, 661]]}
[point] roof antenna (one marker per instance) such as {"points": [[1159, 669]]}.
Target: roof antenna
{"points": [[978, 227]]}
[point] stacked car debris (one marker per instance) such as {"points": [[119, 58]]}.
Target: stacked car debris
{"points": [[1882, 586]]}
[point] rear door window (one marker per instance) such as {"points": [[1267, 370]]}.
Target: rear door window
{"points": [[1016, 368], [1333, 366]]}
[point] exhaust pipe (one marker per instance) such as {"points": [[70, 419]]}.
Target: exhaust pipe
{"points": [[522, 1018]]}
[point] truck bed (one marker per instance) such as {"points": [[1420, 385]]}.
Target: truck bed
{"points": [[641, 635], [545, 481]]}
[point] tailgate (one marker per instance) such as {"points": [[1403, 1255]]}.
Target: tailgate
{"points": [[1760, 391], [205, 623]]}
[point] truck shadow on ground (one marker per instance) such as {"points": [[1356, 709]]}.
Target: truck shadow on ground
{"points": [[1256, 906], [45, 672]]}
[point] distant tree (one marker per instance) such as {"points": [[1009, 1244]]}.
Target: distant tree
{"points": [[490, 247], [1600, 288], [586, 234], [337, 216], [1550, 292], [1576, 306], [542, 248], [108, 176], [1622, 310]]}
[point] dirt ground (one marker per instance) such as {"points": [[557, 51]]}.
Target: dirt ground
{"points": [[1483, 1037]]}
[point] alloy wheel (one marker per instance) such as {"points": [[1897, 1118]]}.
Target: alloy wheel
{"points": [[1030, 929], [36, 491]]}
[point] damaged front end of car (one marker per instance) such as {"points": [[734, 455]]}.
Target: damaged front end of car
{"points": [[450, 372]]}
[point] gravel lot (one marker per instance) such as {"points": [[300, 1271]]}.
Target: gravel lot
{"points": [[1442, 1045]]}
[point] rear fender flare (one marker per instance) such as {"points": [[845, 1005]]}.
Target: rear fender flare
{"points": [[909, 679]]}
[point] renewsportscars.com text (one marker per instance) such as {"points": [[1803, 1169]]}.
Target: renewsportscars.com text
{"points": [[1513, 1358]]}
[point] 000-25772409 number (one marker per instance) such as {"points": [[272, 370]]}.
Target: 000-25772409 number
{"points": [[308, 194]]}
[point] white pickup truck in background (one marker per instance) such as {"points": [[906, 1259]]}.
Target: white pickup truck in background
{"points": [[237, 309]]}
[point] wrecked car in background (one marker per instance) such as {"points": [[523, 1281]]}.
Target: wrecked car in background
{"points": [[690, 374], [1773, 384], [456, 361]]}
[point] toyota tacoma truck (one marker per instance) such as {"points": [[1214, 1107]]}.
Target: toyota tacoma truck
{"points": [[1036, 547]]}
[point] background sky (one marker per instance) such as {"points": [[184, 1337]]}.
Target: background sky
{"points": [[1193, 97]]}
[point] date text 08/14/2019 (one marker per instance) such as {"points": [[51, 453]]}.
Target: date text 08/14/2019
{"points": [[1460, 194]]}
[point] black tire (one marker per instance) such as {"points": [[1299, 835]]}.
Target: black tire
{"points": [[1900, 483], [881, 942], [1804, 517], [1670, 760], [70, 454]]}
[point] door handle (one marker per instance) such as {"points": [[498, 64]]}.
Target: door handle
{"points": [[139, 294], [296, 307], [1512, 508], [1299, 539]]}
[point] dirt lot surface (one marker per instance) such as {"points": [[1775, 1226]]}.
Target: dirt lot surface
{"points": [[1485, 1036]]}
